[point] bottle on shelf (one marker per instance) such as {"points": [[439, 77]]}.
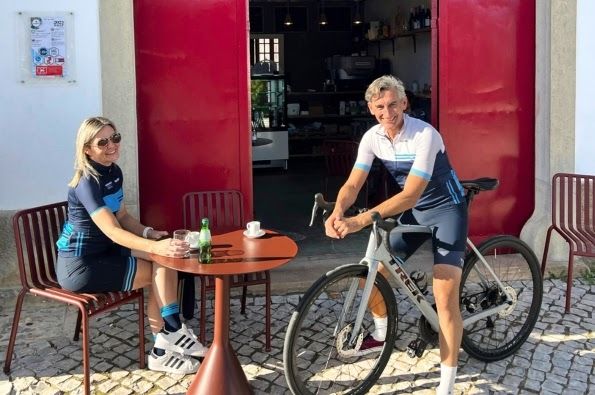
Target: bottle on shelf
{"points": [[204, 242], [428, 18], [411, 19]]}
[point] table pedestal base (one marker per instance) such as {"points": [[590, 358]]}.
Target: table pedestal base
{"points": [[220, 373]]}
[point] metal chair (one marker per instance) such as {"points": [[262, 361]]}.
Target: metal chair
{"points": [[225, 211], [573, 196], [339, 158], [36, 231]]}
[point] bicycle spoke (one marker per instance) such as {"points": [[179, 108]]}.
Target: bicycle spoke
{"points": [[500, 334], [319, 358]]}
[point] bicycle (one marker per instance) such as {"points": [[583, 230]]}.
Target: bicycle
{"points": [[500, 298]]}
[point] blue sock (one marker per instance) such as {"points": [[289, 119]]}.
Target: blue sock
{"points": [[171, 317]]}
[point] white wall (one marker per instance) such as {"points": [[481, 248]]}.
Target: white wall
{"points": [[39, 121], [585, 88]]}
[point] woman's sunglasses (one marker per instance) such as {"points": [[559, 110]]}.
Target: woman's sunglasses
{"points": [[114, 138]]}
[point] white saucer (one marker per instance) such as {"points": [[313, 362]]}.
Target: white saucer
{"points": [[259, 234]]}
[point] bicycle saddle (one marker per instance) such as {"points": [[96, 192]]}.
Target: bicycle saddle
{"points": [[481, 184]]}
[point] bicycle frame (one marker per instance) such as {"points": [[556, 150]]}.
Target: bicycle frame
{"points": [[378, 253]]}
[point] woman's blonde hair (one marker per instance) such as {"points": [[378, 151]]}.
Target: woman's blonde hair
{"points": [[384, 83], [86, 133]]}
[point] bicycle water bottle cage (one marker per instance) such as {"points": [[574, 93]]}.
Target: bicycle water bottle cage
{"points": [[421, 280]]}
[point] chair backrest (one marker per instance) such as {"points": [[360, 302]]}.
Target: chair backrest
{"points": [[573, 212], [339, 156], [36, 231], [224, 209]]}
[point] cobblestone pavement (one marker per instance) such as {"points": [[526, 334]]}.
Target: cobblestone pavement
{"points": [[558, 358]]}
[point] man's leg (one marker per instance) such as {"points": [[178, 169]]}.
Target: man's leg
{"points": [[447, 279]]}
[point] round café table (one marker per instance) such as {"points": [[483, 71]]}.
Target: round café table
{"points": [[233, 253]]}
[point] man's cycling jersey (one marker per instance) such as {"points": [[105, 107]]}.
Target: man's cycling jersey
{"points": [[419, 150], [80, 236]]}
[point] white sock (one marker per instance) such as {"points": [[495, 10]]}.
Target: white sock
{"points": [[380, 324], [448, 375]]}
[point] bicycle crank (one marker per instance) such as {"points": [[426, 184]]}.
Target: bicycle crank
{"points": [[344, 349]]}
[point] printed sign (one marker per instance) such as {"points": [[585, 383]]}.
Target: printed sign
{"points": [[48, 45]]}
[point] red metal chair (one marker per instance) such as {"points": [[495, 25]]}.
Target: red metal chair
{"points": [[225, 211], [573, 218], [339, 157], [36, 231]]}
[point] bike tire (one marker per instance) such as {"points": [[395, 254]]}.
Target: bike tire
{"points": [[502, 334], [312, 362]]}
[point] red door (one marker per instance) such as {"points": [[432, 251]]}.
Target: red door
{"points": [[193, 108], [486, 73]]}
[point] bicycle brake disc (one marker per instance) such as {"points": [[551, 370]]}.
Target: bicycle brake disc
{"points": [[342, 342], [511, 295]]}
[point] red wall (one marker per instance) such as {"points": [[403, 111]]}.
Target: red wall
{"points": [[192, 98], [486, 74]]}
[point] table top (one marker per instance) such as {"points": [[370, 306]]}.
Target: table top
{"points": [[234, 253]]}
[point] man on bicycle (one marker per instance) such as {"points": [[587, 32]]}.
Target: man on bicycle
{"points": [[414, 154]]}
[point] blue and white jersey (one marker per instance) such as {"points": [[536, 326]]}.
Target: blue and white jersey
{"points": [[80, 236], [419, 150]]}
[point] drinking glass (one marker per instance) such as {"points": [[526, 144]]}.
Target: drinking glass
{"points": [[182, 234]]}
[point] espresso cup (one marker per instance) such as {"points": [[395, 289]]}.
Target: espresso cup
{"points": [[253, 228]]}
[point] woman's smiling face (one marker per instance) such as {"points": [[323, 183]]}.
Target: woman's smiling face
{"points": [[105, 155]]}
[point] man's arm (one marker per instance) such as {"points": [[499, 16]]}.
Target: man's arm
{"points": [[402, 201], [346, 197]]}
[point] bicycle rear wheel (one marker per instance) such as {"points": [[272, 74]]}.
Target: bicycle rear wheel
{"points": [[499, 335], [317, 356]]}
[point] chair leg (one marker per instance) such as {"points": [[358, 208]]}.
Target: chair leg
{"points": [[268, 314], [13, 331], [545, 250], [244, 291], [86, 364], [77, 327], [141, 330], [569, 279], [203, 320]]}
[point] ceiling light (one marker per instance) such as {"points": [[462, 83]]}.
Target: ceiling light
{"points": [[357, 19]]}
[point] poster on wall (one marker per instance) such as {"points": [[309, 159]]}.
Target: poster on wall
{"points": [[46, 46]]}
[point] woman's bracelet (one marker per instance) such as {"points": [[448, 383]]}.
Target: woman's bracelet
{"points": [[146, 232]]}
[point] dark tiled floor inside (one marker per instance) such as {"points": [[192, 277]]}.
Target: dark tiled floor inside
{"points": [[283, 201]]}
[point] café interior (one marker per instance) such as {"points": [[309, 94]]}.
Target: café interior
{"points": [[311, 62]]}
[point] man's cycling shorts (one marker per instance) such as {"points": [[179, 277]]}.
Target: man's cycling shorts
{"points": [[449, 233]]}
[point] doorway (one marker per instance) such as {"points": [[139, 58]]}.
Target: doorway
{"points": [[326, 69]]}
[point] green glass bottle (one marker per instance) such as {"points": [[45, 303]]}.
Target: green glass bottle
{"points": [[204, 242]]}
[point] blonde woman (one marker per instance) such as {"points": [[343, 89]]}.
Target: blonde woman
{"points": [[102, 248]]}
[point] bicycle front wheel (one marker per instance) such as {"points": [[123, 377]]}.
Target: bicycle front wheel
{"points": [[501, 334], [319, 356]]}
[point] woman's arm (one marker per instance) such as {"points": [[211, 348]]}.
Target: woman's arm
{"points": [[109, 225], [133, 225]]}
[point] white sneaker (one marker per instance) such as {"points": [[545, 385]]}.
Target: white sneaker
{"points": [[173, 362], [182, 341]]}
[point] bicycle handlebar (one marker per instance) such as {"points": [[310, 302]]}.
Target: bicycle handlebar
{"points": [[327, 207]]}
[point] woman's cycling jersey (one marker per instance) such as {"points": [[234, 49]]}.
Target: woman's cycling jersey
{"points": [[419, 150], [80, 236]]}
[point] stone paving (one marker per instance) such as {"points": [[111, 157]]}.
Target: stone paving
{"points": [[558, 357]]}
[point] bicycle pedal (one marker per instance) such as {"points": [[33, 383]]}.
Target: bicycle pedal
{"points": [[416, 348]]}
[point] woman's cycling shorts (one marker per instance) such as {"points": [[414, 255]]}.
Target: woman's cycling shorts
{"points": [[449, 233], [109, 271]]}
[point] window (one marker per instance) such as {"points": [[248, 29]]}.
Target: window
{"points": [[267, 48]]}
